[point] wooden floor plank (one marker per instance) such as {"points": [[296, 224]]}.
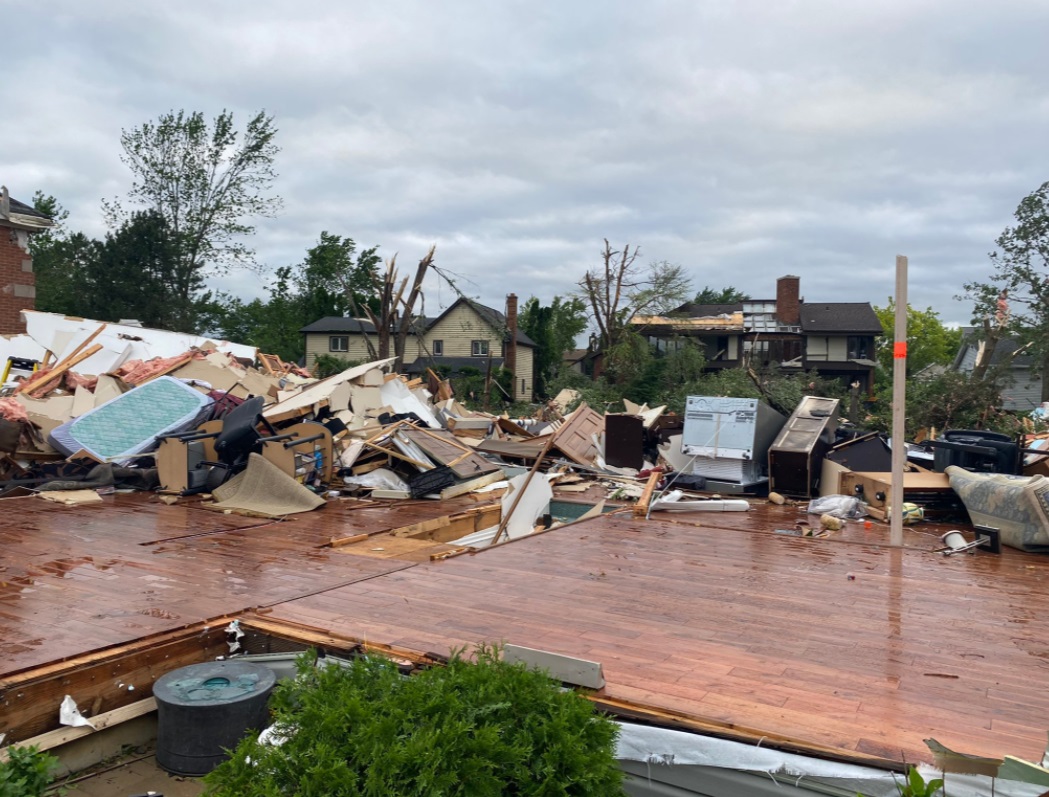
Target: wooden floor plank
{"points": [[751, 628], [841, 642]]}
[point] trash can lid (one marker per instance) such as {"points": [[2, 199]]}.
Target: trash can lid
{"points": [[213, 683]]}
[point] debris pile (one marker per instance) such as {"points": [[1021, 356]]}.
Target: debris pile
{"points": [[92, 406]]}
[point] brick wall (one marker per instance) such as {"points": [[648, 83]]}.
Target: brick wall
{"points": [[17, 281]]}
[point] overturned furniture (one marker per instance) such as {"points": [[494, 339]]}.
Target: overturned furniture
{"points": [[931, 491], [1018, 506], [201, 460], [729, 440], [976, 450], [796, 456]]}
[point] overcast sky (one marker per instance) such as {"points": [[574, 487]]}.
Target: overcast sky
{"points": [[743, 140]]}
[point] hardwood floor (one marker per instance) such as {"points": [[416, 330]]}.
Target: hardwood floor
{"points": [[750, 629], [840, 643]]}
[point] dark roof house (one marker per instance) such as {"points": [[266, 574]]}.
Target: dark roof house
{"points": [[836, 339]]}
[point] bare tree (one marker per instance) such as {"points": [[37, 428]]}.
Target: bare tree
{"points": [[619, 288]]}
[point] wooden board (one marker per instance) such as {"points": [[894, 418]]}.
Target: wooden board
{"points": [[390, 547], [449, 528], [30, 701], [523, 449], [442, 447]]}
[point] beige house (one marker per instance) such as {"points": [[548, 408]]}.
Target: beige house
{"points": [[466, 335]]}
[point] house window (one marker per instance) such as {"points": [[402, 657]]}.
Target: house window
{"points": [[479, 348], [860, 347], [438, 348], [339, 343]]}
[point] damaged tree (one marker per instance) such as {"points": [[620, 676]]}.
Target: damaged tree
{"points": [[394, 319], [620, 288]]}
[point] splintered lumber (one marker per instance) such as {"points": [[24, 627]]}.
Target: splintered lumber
{"points": [[641, 507], [83, 345], [399, 455], [442, 447], [56, 373]]}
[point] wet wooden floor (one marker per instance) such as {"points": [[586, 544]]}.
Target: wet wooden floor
{"points": [[841, 643], [77, 579]]}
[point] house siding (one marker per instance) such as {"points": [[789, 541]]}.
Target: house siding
{"points": [[816, 347], [1024, 394], [317, 344], [524, 372], [458, 329]]}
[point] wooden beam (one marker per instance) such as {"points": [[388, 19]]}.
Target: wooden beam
{"points": [[84, 344], [65, 735], [524, 486], [57, 372], [641, 507], [30, 699]]}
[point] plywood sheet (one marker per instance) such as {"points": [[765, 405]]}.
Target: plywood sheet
{"points": [[519, 449], [442, 447]]}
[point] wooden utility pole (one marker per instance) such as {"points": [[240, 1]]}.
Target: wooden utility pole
{"points": [[899, 403]]}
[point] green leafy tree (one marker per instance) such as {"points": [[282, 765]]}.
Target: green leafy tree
{"points": [[951, 400], [132, 275], [472, 728], [336, 280], [332, 280], [553, 328], [59, 257], [1017, 291], [208, 180], [723, 296], [929, 342]]}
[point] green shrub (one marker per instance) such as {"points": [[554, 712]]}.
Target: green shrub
{"points": [[325, 365], [26, 773], [472, 728]]}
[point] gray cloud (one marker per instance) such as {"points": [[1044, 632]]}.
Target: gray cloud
{"points": [[742, 140]]}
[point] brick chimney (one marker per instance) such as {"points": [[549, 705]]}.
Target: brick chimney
{"points": [[788, 306], [510, 360]]}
